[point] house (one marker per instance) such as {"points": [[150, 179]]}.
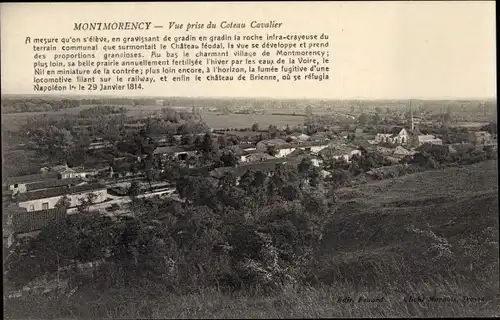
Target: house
{"points": [[284, 150], [54, 183], [384, 150], [30, 223], [81, 172], [340, 152], [396, 135], [313, 147], [48, 198], [64, 171], [401, 151], [267, 167], [178, 152], [264, 144], [316, 161], [480, 137], [97, 145], [18, 223], [428, 138], [256, 156], [18, 184], [299, 137], [242, 149], [297, 153]]}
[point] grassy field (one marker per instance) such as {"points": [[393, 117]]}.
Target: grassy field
{"points": [[431, 235], [214, 120]]}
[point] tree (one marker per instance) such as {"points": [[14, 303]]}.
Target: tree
{"points": [[133, 190], [209, 144], [309, 111], [86, 203], [375, 119], [378, 109], [255, 127], [64, 202], [228, 159], [271, 150], [363, 119], [272, 130], [187, 139]]}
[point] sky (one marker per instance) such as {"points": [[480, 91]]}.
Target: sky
{"points": [[378, 50]]}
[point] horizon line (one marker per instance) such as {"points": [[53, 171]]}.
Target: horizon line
{"points": [[79, 96]]}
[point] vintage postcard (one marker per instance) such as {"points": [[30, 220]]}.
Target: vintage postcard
{"points": [[249, 160]]}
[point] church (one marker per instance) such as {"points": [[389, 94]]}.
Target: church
{"points": [[402, 136]]}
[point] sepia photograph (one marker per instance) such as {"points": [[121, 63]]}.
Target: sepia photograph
{"points": [[249, 160]]}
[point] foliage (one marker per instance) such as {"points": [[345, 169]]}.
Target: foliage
{"points": [[100, 111]]}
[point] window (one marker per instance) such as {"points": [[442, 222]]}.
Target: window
{"points": [[15, 185], [32, 207], [45, 205]]}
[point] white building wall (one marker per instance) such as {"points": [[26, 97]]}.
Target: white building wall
{"points": [[345, 157], [316, 162], [75, 200], [284, 152], [353, 152], [37, 204], [21, 188], [317, 149]]}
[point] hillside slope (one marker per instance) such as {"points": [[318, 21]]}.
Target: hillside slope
{"points": [[430, 236], [432, 226]]}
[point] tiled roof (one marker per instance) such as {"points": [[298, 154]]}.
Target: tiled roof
{"points": [[55, 192], [271, 142], [296, 153], [260, 156], [265, 166], [52, 183], [284, 146], [314, 144], [171, 149], [23, 222], [428, 147], [337, 151], [395, 130], [32, 178]]}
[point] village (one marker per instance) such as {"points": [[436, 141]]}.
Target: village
{"points": [[37, 200], [131, 159]]}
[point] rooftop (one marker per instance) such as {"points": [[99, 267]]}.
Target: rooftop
{"points": [[427, 137], [272, 142], [171, 149], [265, 166], [337, 151], [55, 192], [23, 222], [32, 178], [52, 183]]}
